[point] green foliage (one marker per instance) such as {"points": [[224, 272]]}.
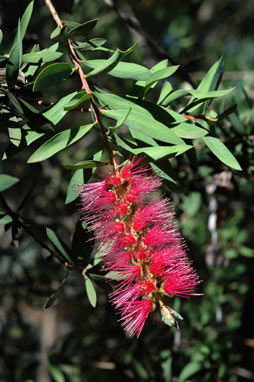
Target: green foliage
{"points": [[199, 141]]}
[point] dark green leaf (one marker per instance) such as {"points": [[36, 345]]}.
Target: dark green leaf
{"points": [[91, 292], [7, 181], [189, 131], [83, 164], [228, 111], [83, 29], [161, 173], [189, 370], [91, 44], [59, 142], [14, 62], [58, 244], [72, 191], [1, 36], [52, 75], [222, 152], [106, 66], [54, 295], [25, 19], [6, 219], [77, 100]]}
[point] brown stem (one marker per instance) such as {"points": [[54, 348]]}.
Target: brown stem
{"points": [[85, 86]]}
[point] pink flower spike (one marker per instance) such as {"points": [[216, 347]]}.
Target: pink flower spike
{"points": [[140, 245], [134, 315]]}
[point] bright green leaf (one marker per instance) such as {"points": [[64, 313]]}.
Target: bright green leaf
{"points": [[58, 244], [189, 370], [159, 75], [56, 112], [7, 181], [189, 131], [91, 292], [72, 191], [145, 125], [59, 142], [25, 19], [45, 55], [160, 152], [222, 152], [56, 373], [165, 91], [52, 75], [161, 173], [83, 164], [107, 65]]}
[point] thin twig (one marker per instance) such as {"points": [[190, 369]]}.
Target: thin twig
{"points": [[25, 225], [161, 53], [85, 85]]}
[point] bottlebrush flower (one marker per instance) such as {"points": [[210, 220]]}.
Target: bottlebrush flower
{"points": [[139, 243]]}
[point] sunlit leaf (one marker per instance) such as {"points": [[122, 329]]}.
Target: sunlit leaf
{"points": [[91, 292], [221, 152]]}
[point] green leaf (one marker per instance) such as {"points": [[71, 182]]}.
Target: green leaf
{"points": [[83, 164], [107, 65], [58, 244], [125, 70], [201, 95], [189, 370], [145, 125], [55, 32], [165, 91], [213, 77], [161, 173], [25, 19], [54, 295], [160, 152], [72, 191], [6, 219], [52, 75], [55, 113], [83, 29], [56, 373], [1, 36], [189, 131], [14, 62], [45, 55], [221, 152], [7, 181], [59, 142], [209, 83], [159, 75], [90, 290], [174, 96], [77, 100], [120, 121], [91, 44]]}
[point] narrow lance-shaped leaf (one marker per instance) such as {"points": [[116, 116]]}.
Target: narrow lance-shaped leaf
{"points": [[90, 290], [54, 295], [110, 63], [59, 142], [7, 181], [14, 62], [222, 152], [83, 29], [58, 244], [25, 19], [72, 191]]}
